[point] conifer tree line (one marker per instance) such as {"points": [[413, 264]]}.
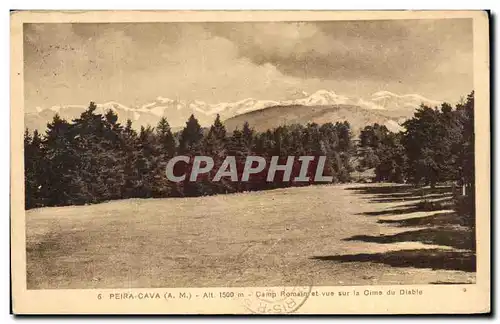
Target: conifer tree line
{"points": [[437, 146], [94, 158]]}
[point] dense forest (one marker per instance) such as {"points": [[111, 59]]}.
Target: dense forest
{"points": [[436, 146], [94, 158]]}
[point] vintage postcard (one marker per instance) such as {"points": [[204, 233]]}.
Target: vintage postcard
{"points": [[250, 162]]}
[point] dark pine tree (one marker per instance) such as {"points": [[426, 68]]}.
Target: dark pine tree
{"points": [[215, 146], [190, 141], [164, 151], [129, 160], [34, 166], [61, 160], [191, 144]]}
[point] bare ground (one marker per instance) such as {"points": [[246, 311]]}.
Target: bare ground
{"points": [[320, 235]]}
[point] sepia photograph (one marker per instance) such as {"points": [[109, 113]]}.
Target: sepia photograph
{"points": [[311, 158]]}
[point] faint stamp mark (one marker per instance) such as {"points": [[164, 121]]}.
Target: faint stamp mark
{"points": [[285, 300]]}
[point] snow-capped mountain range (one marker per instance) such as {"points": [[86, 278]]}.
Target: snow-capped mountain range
{"points": [[178, 111]]}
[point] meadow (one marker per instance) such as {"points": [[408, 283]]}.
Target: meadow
{"points": [[338, 234]]}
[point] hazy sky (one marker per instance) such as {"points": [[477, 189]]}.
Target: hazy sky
{"points": [[214, 62]]}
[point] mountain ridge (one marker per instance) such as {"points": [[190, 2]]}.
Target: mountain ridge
{"points": [[272, 117], [398, 107]]}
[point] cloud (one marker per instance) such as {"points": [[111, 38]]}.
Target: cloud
{"points": [[213, 62], [374, 49], [76, 63]]}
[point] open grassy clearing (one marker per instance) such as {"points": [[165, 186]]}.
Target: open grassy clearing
{"points": [[327, 235]]}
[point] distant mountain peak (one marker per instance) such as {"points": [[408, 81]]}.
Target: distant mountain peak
{"points": [[113, 105], [384, 93], [321, 97], [177, 111], [392, 101]]}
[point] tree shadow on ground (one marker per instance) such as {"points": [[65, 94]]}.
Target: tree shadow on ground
{"points": [[406, 193], [441, 219], [374, 190], [445, 229], [458, 238], [424, 258], [411, 198], [399, 191], [422, 205]]}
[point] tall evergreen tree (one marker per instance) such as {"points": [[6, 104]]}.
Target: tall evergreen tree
{"points": [[166, 140], [466, 157], [421, 140], [34, 166], [146, 163], [215, 146], [96, 140], [237, 147], [129, 160], [61, 160], [165, 150], [248, 135], [191, 144], [191, 136]]}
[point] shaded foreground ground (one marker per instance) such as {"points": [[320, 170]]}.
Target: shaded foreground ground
{"points": [[324, 235]]}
